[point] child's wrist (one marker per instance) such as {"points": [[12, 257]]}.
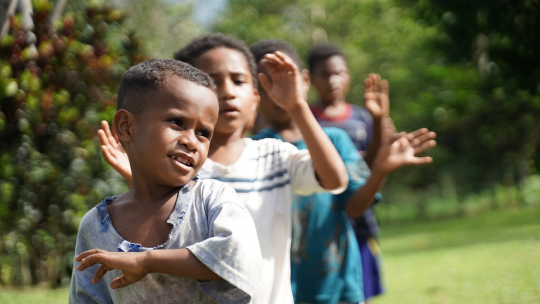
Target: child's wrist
{"points": [[295, 107]]}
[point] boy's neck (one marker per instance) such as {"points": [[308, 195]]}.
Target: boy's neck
{"points": [[289, 131], [226, 148], [143, 192], [334, 108]]}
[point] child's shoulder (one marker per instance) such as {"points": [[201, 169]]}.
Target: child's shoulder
{"points": [[266, 145], [93, 219], [214, 193]]}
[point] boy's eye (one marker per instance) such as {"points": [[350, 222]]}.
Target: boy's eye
{"points": [[175, 121], [204, 133], [239, 81]]}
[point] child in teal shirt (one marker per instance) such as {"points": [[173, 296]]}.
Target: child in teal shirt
{"points": [[325, 257]]}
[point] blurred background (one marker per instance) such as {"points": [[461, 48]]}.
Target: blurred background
{"points": [[465, 228]]}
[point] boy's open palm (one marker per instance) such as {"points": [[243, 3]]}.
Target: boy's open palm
{"points": [[401, 150], [376, 96], [113, 152], [285, 83], [130, 263]]}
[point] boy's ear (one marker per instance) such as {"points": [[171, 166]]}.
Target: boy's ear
{"points": [[123, 125]]}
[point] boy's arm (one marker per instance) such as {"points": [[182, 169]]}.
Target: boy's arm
{"points": [[398, 151], [113, 152], [136, 265], [285, 87]]}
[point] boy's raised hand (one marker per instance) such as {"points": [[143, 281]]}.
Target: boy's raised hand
{"points": [[285, 84], [130, 263], [401, 150], [113, 152], [376, 96]]}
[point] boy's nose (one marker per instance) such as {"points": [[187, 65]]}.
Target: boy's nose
{"points": [[189, 140], [226, 90]]}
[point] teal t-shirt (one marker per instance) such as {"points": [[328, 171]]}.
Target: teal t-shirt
{"points": [[325, 259]]}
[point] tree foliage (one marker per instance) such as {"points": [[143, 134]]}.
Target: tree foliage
{"points": [[57, 83]]}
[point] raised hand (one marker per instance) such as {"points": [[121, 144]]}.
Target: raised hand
{"points": [[422, 140], [113, 152], [285, 84], [401, 150], [130, 263], [376, 98]]}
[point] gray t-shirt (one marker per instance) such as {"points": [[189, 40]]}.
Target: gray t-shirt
{"points": [[209, 221]]}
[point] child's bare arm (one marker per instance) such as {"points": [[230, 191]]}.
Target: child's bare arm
{"points": [[285, 87], [400, 150], [113, 152], [136, 265]]}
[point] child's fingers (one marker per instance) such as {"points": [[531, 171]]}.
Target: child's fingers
{"points": [[272, 62], [287, 61], [91, 260], [425, 146], [423, 138], [105, 127], [109, 157], [102, 270], [421, 160], [83, 255], [266, 83], [270, 65], [411, 136], [103, 138], [119, 282], [368, 85]]}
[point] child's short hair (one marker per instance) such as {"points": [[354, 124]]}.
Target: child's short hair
{"points": [[321, 52], [205, 43], [152, 74], [267, 46]]}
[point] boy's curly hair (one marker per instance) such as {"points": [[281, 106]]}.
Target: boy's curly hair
{"points": [[266, 46], [321, 52], [153, 74], [205, 43]]}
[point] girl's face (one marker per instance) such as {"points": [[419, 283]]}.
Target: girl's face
{"points": [[238, 99]]}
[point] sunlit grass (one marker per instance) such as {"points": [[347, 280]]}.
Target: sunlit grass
{"points": [[34, 295], [491, 258]]}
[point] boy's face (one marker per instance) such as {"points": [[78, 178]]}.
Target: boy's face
{"points": [[167, 143], [331, 79], [238, 99]]}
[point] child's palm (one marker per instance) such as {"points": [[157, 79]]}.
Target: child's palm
{"points": [[113, 152], [284, 84], [376, 96], [401, 150]]}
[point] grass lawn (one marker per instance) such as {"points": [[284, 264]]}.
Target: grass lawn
{"points": [[34, 295], [491, 258]]}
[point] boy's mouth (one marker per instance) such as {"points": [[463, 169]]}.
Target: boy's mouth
{"points": [[229, 110], [181, 162]]}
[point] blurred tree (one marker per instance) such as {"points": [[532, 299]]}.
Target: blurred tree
{"points": [[468, 70], [56, 84]]}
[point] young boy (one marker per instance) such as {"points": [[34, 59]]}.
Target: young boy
{"points": [[330, 77], [172, 237], [264, 173], [324, 256]]}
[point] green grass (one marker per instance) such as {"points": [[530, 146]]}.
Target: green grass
{"points": [[34, 295], [491, 258]]}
